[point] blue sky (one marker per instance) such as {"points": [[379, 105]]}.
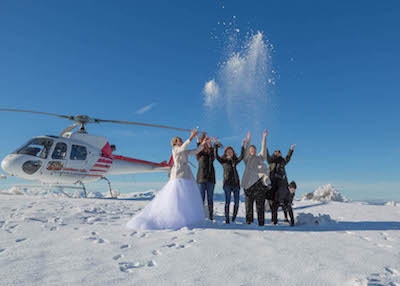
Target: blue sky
{"points": [[337, 95]]}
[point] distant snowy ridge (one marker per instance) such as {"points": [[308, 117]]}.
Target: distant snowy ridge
{"points": [[393, 204], [325, 193]]}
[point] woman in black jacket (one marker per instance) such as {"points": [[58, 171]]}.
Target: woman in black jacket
{"points": [[229, 161], [206, 175]]}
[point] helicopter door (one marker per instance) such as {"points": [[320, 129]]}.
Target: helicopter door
{"points": [[77, 161], [56, 162]]}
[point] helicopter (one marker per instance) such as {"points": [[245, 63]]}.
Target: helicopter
{"points": [[75, 158]]}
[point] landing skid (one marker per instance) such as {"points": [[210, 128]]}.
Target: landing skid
{"points": [[109, 186], [60, 188]]}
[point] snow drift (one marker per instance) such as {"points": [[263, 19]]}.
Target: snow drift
{"points": [[310, 219]]}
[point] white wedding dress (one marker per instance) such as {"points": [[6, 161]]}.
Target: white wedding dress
{"points": [[178, 203]]}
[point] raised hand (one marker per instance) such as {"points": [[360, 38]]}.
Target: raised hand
{"points": [[244, 141], [265, 133], [291, 148], [206, 140], [193, 133], [248, 136]]}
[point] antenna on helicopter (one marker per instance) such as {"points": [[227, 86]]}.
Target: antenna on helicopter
{"points": [[82, 120]]}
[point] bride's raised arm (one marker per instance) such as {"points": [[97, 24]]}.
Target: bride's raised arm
{"points": [[186, 144]]}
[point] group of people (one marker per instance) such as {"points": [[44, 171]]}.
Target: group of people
{"points": [[180, 202]]}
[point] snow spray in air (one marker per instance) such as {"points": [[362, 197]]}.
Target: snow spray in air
{"points": [[242, 87]]}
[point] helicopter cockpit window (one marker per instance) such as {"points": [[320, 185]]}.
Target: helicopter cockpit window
{"points": [[78, 152], [38, 147], [60, 151]]}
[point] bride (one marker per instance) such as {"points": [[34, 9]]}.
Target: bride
{"points": [[179, 202]]}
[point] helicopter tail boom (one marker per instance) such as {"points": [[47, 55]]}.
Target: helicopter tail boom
{"points": [[125, 165]]}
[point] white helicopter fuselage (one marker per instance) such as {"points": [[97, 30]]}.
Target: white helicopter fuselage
{"points": [[73, 158]]}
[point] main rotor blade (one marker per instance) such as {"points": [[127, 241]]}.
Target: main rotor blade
{"points": [[144, 124], [36, 112]]}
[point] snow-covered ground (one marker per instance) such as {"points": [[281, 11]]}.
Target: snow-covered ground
{"points": [[76, 241]]}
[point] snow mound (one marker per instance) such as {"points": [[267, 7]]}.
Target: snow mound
{"points": [[310, 219], [149, 195], [95, 195], [393, 204], [325, 193]]}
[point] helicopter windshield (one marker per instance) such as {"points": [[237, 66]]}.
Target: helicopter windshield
{"points": [[38, 147]]}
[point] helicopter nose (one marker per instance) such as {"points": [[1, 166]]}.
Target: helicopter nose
{"points": [[7, 165]]}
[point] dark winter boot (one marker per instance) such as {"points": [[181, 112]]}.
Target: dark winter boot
{"points": [[291, 217], [235, 212], [226, 213], [275, 207], [210, 212], [286, 216]]}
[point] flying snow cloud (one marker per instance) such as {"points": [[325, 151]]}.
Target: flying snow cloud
{"points": [[146, 108], [243, 84], [211, 93]]}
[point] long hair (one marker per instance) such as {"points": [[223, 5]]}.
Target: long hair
{"points": [[229, 148]]}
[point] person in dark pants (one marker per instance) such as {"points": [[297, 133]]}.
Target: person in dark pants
{"points": [[277, 170], [206, 175], [255, 180], [284, 198], [229, 161]]}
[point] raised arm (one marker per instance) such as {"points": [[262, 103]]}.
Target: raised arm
{"points": [[221, 160], [290, 153], [263, 152], [246, 150], [242, 152], [186, 144]]}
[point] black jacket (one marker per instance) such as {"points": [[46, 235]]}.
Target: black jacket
{"points": [[231, 176], [206, 171], [283, 195], [277, 166]]}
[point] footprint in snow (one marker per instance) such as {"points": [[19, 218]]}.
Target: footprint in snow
{"points": [[129, 266], [392, 271], [20, 239], [156, 252], [100, 240], [124, 246], [118, 256], [2, 250]]}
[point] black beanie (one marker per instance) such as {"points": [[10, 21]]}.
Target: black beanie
{"points": [[293, 185]]}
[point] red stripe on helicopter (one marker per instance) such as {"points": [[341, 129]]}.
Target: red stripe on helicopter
{"points": [[104, 161], [90, 175], [122, 158], [95, 170], [101, 166]]}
